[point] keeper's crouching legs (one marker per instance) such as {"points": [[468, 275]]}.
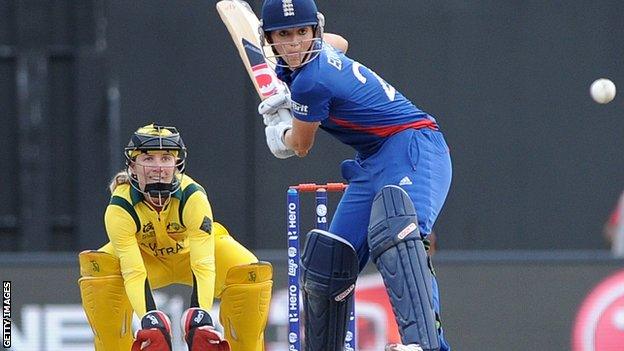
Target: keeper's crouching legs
{"points": [[245, 302], [105, 301]]}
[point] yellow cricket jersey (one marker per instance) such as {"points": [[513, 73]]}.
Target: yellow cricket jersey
{"points": [[175, 245]]}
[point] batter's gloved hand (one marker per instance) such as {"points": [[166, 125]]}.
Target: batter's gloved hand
{"points": [[275, 139], [275, 102], [282, 115], [155, 333], [276, 109], [199, 332]]}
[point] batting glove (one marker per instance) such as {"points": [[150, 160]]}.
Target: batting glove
{"points": [[282, 115], [277, 101], [275, 140], [199, 332]]}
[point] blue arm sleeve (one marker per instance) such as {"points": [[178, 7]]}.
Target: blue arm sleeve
{"points": [[310, 101]]}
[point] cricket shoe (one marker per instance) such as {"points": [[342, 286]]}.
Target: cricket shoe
{"points": [[401, 347]]}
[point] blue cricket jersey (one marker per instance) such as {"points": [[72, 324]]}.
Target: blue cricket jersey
{"points": [[351, 101]]}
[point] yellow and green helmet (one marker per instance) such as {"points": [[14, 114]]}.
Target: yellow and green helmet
{"points": [[154, 137]]}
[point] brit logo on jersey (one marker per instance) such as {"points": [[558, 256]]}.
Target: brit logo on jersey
{"points": [[288, 8], [299, 108]]}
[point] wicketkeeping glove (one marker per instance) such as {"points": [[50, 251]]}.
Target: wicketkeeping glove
{"points": [[155, 333], [199, 332]]}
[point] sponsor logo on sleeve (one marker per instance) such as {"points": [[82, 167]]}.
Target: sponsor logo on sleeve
{"points": [[299, 108]]}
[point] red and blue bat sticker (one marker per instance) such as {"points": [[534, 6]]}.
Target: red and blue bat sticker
{"points": [[263, 74]]}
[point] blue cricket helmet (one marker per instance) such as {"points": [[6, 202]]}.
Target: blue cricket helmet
{"points": [[280, 14]]}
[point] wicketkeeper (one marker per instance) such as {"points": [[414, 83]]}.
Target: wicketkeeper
{"points": [[161, 231]]}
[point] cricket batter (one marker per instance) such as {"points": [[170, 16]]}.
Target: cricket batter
{"points": [[161, 232], [398, 180]]}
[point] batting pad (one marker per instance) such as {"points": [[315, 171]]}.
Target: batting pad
{"points": [[330, 268], [399, 254]]}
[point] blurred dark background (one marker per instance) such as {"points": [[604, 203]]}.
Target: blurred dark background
{"points": [[537, 164]]}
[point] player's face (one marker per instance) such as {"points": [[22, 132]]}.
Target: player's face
{"points": [[293, 44], [154, 167]]}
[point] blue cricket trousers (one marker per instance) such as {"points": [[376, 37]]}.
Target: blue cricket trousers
{"points": [[416, 160]]}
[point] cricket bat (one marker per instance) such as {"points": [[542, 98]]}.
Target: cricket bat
{"points": [[243, 26]]}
